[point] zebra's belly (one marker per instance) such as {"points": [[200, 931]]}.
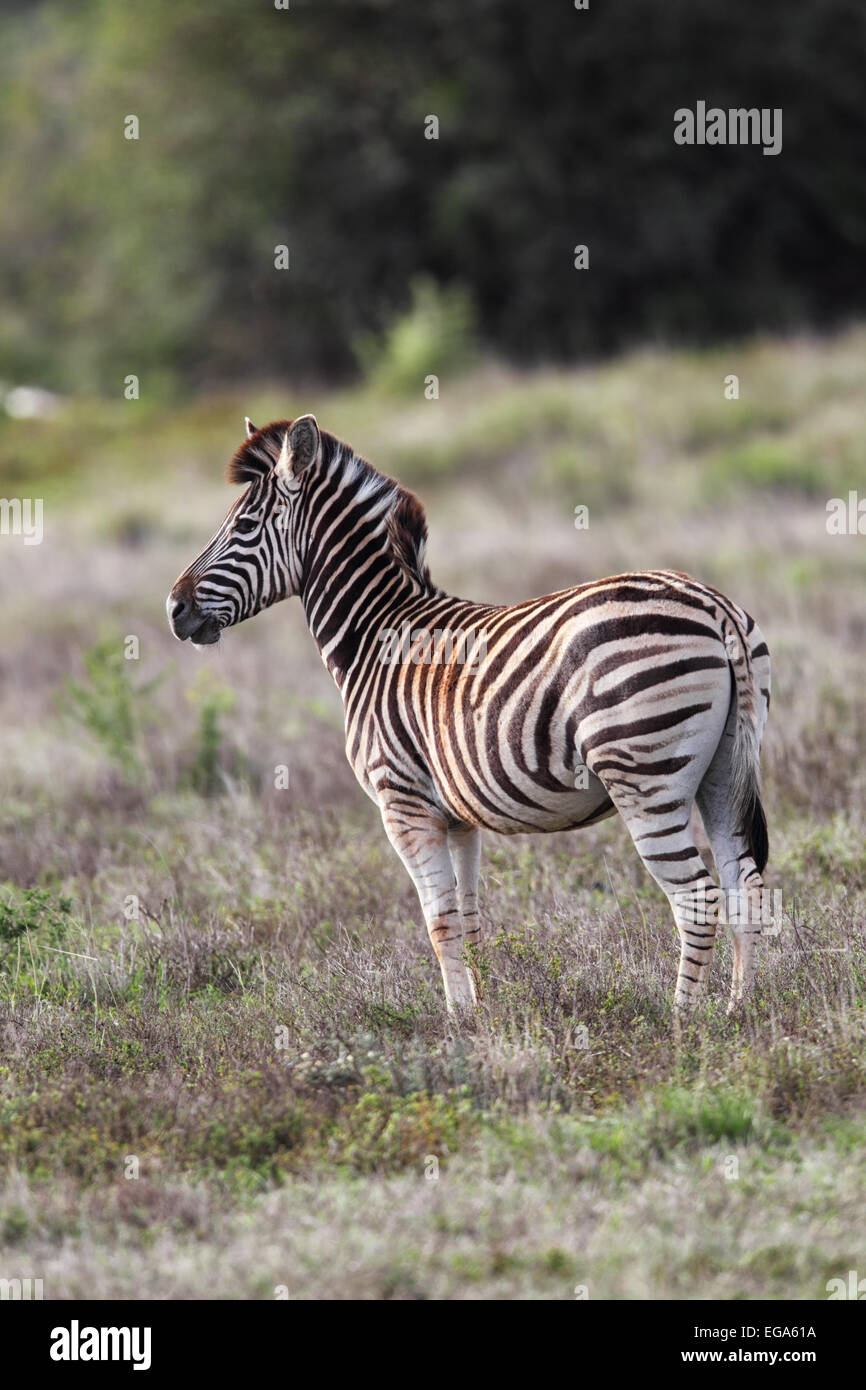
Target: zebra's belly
{"points": [[529, 805]]}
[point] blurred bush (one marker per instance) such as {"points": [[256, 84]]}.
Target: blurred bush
{"points": [[213, 700], [24, 912], [113, 710], [435, 335]]}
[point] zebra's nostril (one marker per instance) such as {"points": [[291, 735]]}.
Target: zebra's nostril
{"points": [[179, 607]]}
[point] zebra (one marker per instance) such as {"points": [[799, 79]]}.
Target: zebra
{"points": [[641, 694]]}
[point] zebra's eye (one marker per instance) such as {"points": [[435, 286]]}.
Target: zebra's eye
{"points": [[246, 525]]}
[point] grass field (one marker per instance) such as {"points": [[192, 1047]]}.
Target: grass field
{"points": [[227, 1068]]}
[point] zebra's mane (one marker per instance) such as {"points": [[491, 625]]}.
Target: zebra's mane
{"points": [[404, 519], [258, 454], [407, 531], [405, 522]]}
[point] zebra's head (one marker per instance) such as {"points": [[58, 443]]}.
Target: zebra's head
{"points": [[254, 558]]}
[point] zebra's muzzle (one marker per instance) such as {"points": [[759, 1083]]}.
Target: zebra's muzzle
{"points": [[187, 621], [207, 634]]}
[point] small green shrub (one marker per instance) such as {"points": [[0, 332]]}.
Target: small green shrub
{"points": [[29, 911], [110, 707], [213, 700], [435, 336]]}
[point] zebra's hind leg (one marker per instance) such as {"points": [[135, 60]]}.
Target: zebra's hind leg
{"points": [[740, 878], [420, 837], [664, 841], [666, 846]]}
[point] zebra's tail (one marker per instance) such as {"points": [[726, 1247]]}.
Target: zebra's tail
{"points": [[746, 755]]}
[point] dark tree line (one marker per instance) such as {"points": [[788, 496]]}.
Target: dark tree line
{"points": [[261, 127]]}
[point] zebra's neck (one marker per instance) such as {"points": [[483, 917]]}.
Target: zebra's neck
{"points": [[357, 578]]}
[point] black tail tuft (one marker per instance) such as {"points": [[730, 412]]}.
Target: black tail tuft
{"points": [[756, 833]]}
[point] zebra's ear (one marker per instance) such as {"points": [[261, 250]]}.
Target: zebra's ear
{"points": [[251, 429], [302, 445]]}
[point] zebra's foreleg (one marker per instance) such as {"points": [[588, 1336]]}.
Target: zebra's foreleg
{"points": [[464, 844], [420, 837], [465, 847]]}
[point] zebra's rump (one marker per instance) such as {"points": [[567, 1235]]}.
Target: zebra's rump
{"points": [[613, 685]]}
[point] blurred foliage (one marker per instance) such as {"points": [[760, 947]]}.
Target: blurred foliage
{"points": [[32, 910], [212, 699], [435, 335], [261, 127], [113, 710]]}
